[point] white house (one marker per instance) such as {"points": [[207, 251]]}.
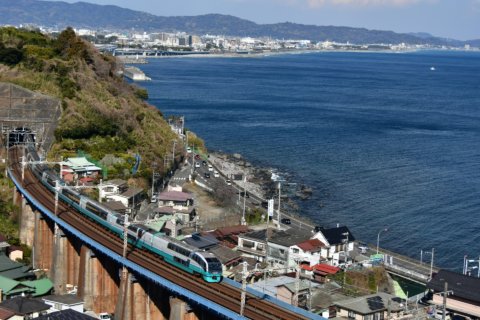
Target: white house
{"points": [[307, 252], [112, 187], [63, 302], [338, 242]]}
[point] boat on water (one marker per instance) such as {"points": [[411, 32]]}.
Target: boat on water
{"points": [[432, 68]]}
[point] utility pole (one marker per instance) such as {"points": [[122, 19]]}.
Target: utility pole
{"points": [[297, 286], [279, 196], [244, 222], [125, 244], [445, 289], [173, 153], [244, 288], [431, 263]]}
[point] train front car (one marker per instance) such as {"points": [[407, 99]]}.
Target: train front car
{"points": [[214, 270]]}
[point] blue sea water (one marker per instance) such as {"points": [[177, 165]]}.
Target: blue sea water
{"points": [[381, 138]]}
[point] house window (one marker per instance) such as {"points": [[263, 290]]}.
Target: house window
{"points": [[351, 315], [248, 244], [282, 251], [378, 316], [296, 250]]}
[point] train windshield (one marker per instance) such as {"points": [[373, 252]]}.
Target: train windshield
{"points": [[214, 265]]}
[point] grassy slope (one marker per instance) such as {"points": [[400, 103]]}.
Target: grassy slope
{"points": [[101, 113]]}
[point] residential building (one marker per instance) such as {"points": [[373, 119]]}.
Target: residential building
{"points": [[283, 288], [112, 187], [339, 241], [74, 169], [280, 248], [254, 244], [34, 288], [14, 270], [463, 296], [67, 314], [64, 302], [376, 306], [307, 252], [319, 272], [131, 198], [25, 308]]}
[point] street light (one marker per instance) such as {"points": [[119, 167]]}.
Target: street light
{"points": [[378, 236]]}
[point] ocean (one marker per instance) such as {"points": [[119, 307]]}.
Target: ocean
{"points": [[381, 138]]}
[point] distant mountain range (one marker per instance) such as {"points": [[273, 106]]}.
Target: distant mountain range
{"points": [[87, 15]]}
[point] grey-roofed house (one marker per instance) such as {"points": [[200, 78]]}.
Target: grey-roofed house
{"points": [[280, 248], [178, 203], [464, 292], [67, 314], [202, 241], [254, 244], [131, 198], [373, 306], [25, 308], [116, 206], [338, 242], [228, 257], [283, 288]]}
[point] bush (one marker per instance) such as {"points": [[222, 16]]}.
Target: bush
{"points": [[10, 56]]}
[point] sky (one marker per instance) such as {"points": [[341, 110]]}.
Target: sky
{"points": [[457, 19]]}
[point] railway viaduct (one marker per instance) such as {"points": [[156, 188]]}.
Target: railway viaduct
{"points": [[75, 261], [69, 262]]}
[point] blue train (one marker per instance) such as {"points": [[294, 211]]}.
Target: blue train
{"points": [[175, 252]]}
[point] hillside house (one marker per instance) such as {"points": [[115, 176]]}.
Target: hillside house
{"points": [[280, 248], [74, 169], [374, 306], [112, 187]]}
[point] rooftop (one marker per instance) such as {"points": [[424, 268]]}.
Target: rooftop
{"points": [[289, 237], [337, 235], [312, 245], [67, 314], [65, 299], [24, 305], [372, 303], [174, 196], [463, 286]]}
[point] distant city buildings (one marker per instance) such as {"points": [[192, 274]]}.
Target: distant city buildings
{"points": [[118, 40]]}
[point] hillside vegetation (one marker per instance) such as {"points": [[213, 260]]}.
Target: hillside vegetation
{"points": [[101, 113]]}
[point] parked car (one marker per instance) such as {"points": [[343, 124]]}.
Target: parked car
{"points": [[204, 163], [189, 150], [285, 221], [197, 157], [210, 168], [197, 164], [228, 182], [216, 174], [104, 316], [206, 175], [244, 194]]}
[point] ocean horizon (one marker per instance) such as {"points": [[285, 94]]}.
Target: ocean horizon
{"points": [[383, 139]]}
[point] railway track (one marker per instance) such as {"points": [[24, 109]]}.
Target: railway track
{"points": [[220, 293]]}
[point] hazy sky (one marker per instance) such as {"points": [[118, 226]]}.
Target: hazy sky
{"points": [[459, 19]]}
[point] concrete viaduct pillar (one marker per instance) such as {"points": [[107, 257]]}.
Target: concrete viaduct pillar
{"points": [[27, 219], [135, 301], [43, 244], [66, 263], [97, 282]]}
